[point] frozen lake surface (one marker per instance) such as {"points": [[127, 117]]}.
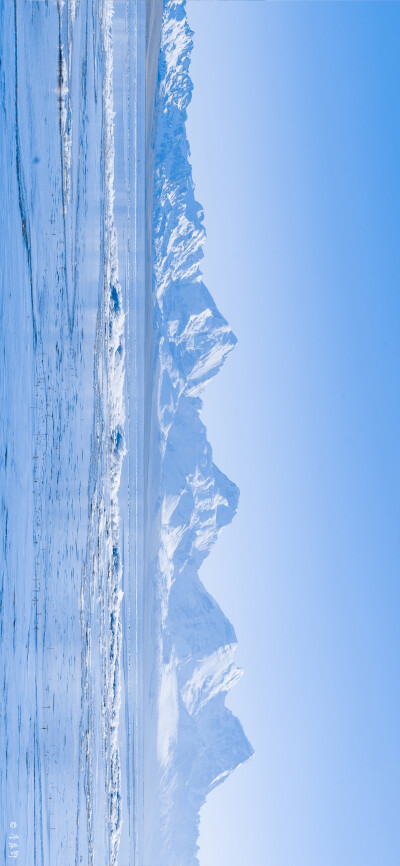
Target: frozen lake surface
{"points": [[115, 659]]}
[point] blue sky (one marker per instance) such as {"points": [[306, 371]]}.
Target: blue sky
{"points": [[295, 138]]}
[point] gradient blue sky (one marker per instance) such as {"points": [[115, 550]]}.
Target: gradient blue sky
{"points": [[295, 137]]}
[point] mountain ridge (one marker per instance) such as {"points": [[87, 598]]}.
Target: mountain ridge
{"points": [[199, 741]]}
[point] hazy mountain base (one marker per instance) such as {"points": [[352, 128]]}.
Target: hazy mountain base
{"points": [[198, 740]]}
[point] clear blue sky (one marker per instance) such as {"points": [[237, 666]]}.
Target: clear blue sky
{"points": [[295, 137]]}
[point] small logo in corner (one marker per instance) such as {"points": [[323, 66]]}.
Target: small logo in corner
{"points": [[13, 841]]}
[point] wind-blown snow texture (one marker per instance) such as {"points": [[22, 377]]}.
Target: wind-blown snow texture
{"points": [[199, 741], [115, 660]]}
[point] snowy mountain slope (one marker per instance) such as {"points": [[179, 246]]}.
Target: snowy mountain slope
{"points": [[198, 742]]}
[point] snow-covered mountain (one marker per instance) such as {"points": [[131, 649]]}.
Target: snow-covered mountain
{"points": [[199, 742]]}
